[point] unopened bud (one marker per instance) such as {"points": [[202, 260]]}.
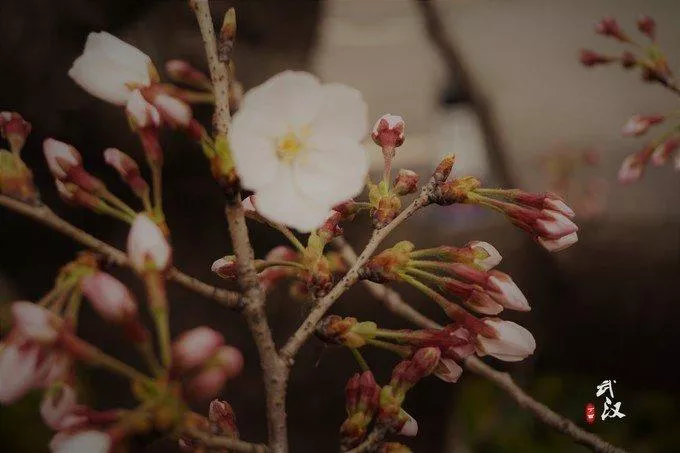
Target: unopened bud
{"points": [[647, 26], [664, 151], [628, 60], [222, 419], [443, 170], [15, 129], [226, 267], [147, 247], [590, 58], [406, 182], [109, 297], [511, 344], [16, 179], [386, 211], [610, 27], [388, 131], [128, 170], [194, 347], [639, 124], [331, 227], [227, 36], [141, 114], [631, 169], [183, 72]]}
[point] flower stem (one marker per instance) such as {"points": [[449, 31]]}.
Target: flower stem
{"points": [[360, 359], [117, 202], [399, 350], [288, 234], [157, 182], [158, 303]]}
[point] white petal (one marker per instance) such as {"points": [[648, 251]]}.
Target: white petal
{"points": [[254, 153], [327, 177], [102, 78], [282, 202], [120, 52], [81, 442], [342, 112], [290, 97]]}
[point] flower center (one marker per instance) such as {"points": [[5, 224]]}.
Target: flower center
{"points": [[291, 144]]}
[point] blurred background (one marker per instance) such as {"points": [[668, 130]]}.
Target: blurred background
{"points": [[508, 97]]}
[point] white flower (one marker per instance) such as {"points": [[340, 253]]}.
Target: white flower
{"points": [[146, 245], [110, 68], [81, 442], [296, 143], [514, 342], [486, 255], [556, 245]]}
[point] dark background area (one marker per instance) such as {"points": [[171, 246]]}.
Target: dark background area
{"points": [[605, 309]]}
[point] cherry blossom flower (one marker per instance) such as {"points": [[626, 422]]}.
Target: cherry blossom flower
{"points": [[81, 442], [146, 245], [296, 144], [111, 69], [514, 342]]}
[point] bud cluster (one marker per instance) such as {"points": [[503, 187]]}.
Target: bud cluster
{"points": [[362, 397], [654, 66], [16, 179]]}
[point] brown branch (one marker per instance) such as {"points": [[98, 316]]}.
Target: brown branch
{"points": [[229, 443], [43, 214], [393, 301], [275, 371], [325, 303]]}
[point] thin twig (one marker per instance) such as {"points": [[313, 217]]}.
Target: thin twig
{"points": [[229, 443], [324, 304], [43, 214], [393, 301], [372, 440], [275, 371]]}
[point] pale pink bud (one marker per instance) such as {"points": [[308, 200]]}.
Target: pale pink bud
{"points": [[610, 27], [639, 124], [127, 168], [109, 297], [406, 182], [194, 347], [410, 427], [486, 255], [590, 58], [556, 204], [81, 442], [57, 407], [173, 110], [553, 224], [18, 370], [507, 293], [556, 245], [631, 170], [147, 246], [61, 157], [141, 113], [513, 342], [225, 267], [15, 129], [647, 26], [184, 72], [483, 303], [663, 151], [227, 363], [388, 131], [448, 370], [35, 322]]}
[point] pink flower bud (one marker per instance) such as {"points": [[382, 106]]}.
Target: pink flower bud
{"points": [[147, 246], [631, 169], [647, 26], [486, 255], [57, 408], [410, 426], [222, 418], [628, 60], [18, 370], [512, 344], [639, 124], [448, 370], [141, 113], [406, 182], [506, 292], [61, 157], [227, 363], [444, 168], [35, 322], [183, 71], [128, 170], [109, 297], [81, 442], [15, 129], [556, 245], [176, 112], [553, 224], [225, 267], [590, 58], [388, 131], [610, 27], [664, 151], [194, 347]]}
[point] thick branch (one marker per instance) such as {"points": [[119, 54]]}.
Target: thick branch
{"points": [[275, 371], [324, 304], [43, 214], [221, 442], [393, 301]]}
